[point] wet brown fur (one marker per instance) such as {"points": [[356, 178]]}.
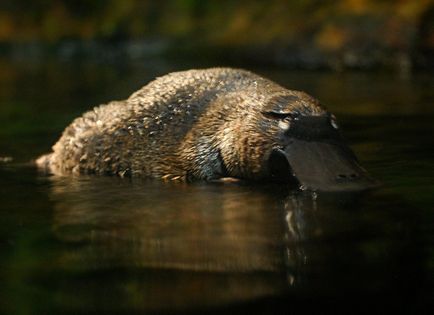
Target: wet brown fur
{"points": [[196, 124]]}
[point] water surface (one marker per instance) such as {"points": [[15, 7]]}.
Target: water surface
{"points": [[99, 244]]}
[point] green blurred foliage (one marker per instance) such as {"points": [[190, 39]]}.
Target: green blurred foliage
{"points": [[353, 33], [221, 21]]}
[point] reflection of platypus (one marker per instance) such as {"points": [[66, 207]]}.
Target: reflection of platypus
{"points": [[209, 124]]}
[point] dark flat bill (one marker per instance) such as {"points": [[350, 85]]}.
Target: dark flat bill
{"points": [[326, 166]]}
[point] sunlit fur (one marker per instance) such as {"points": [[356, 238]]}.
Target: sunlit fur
{"points": [[197, 124]]}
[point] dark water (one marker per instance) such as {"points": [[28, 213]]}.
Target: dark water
{"points": [[98, 245]]}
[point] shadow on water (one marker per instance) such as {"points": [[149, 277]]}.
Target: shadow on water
{"points": [[119, 245]]}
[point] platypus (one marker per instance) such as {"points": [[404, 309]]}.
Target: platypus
{"points": [[207, 125]]}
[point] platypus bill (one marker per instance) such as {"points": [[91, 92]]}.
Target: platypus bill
{"points": [[211, 124]]}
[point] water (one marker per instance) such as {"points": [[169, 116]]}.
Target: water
{"points": [[102, 244]]}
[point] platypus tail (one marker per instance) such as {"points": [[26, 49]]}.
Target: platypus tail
{"points": [[43, 162]]}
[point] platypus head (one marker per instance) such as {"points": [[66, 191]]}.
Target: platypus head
{"points": [[308, 148]]}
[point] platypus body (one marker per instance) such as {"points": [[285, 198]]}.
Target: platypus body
{"points": [[210, 124]]}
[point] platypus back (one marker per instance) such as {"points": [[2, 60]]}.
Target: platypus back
{"points": [[197, 124]]}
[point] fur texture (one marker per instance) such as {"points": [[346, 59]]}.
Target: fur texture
{"points": [[196, 124]]}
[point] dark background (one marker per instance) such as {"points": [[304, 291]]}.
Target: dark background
{"points": [[307, 34]]}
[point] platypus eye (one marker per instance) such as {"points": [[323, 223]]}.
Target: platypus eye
{"points": [[279, 115]]}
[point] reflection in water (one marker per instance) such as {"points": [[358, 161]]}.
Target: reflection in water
{"points": [[295, 234], [107, 244], [169, 227], [186, 244]]}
